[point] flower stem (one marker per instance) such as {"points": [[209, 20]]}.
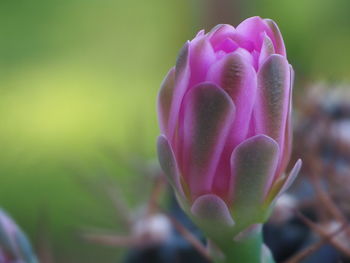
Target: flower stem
{"points": [[248, 249]]}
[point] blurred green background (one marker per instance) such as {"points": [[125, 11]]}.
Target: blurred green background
{"points": [[78, 85]]}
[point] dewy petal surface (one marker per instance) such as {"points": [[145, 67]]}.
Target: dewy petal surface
{"points": [[253, 164], [272, 102], [208, 115]]}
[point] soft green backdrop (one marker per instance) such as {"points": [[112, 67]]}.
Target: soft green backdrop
{"points": [[78, 85]]}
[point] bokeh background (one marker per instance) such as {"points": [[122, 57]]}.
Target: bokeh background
{"points": [[78, 87]]}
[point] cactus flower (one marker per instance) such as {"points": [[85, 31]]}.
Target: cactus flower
{"points": [[14, 245], [224, 113]]}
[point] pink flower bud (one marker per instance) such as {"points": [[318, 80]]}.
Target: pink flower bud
{"points": [[224, 114]]}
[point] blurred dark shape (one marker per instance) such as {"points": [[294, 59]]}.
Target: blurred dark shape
{"points": [[286, 239], [326, 254], [289, 238], [285, 234], [317, 231], [154, 234], [176, 249], [322, 140]]}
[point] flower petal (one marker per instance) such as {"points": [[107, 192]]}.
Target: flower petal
{"points": [[267, 49], [272, 103], [208, 115], [277, 37], [288, 138], [235, 74], [200, 33], [282, 184], [168, 163], [212, 209], [291, 177], [253, 165], [219, 33], [165, 97], [252, 29], [182, 76], [202, 56], [182, 59], [238, 78], [227, 45]]}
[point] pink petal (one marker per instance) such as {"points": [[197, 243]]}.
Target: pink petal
{"points": [[165, 97], [182, 77], [227, 45], [287, 147], [211, 209], [253, 165], [219, 33], [267, 49], [238, 78], [252, 29], [208, 115], [272, 103], [168, 163], [276, 37], [202, 56], [243, 42], [291, 177], [200, 33], [281, 184]]}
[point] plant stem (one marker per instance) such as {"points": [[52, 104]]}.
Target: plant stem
{"points": [[249, 249]]}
